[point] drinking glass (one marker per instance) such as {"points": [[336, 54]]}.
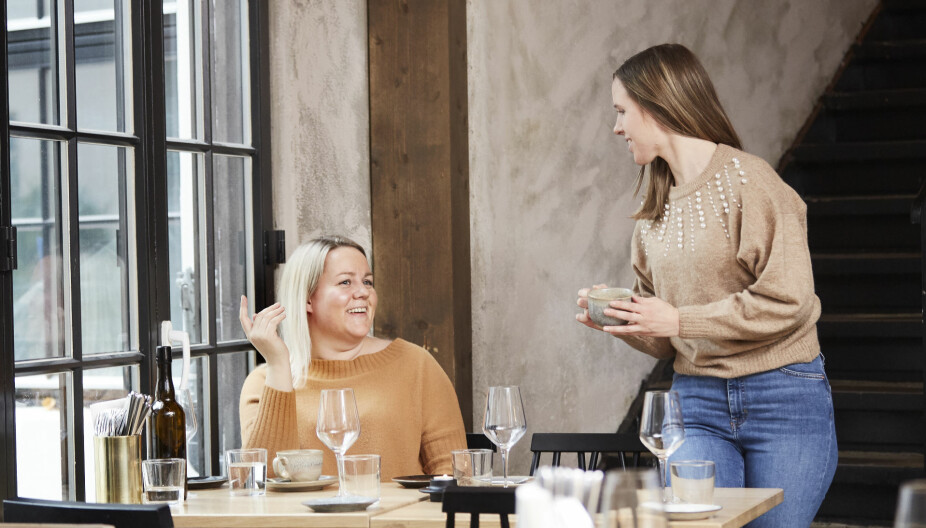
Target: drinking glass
{"points": [[185, 399], [163, 480], [247, 471], [911, 505], [632, 499], [661, 429], [504, 421], [338, 426]]}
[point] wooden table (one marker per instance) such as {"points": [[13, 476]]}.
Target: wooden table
{"points": [[739, 507], [215, 508]]}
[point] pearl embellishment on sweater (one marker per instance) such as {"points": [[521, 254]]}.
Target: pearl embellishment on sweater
{"points": [[670, 227]]}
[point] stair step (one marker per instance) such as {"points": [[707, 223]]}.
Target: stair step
{"points": [[879, 65], [860, 151], [904, 325], [892, 204], [850, 358], [870, 115], [879, 416], [834, 176], [875, 99], [851, 264]]}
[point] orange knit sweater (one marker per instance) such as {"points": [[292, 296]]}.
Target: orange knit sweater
{"points": [[409, 414]]}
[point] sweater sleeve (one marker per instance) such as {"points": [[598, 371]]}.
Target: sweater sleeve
{"points": [[442, 423], [658, 347], [773, 248], [268, 416]]}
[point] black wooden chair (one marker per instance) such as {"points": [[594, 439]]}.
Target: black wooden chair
{"points": [[117, 515], [626, 446], [477, 500], [479, 441]]}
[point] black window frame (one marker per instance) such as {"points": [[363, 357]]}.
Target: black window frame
{"points": [[150, 145]]}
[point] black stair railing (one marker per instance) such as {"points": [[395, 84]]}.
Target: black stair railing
{"points": [[917, 215]]}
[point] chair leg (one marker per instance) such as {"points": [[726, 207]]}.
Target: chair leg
{"points": [[535, 463], [581, 457], [556, 458], [451, 522], [474, 520], [504, 517]]}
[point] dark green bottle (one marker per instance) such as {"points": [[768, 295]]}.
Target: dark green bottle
{"points": [[168, 423]]}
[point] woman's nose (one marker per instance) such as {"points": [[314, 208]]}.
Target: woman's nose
{"points": [[618, 127], [362, 291]]}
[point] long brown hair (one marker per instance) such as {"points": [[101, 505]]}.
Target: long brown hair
{"points": [[670, 84]]}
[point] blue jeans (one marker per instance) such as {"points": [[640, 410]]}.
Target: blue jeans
{"points": [[773, 429]]}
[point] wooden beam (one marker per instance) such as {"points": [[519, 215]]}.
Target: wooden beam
{"points": [[419, 171]]}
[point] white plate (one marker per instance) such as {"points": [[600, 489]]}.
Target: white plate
{"points": [[340, 504], [310, 485], [512, 480], [690, 512]]}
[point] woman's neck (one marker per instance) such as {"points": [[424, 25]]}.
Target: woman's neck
{"points": [[332, 348], [687, 157]]}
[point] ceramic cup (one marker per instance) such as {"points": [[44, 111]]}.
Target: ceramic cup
{"points": [[298, 465], [599, 299]]}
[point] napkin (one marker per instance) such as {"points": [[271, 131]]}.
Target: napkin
{"points": [[558, 497]]}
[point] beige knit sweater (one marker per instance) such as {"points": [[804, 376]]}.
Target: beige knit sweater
{"points": [[409, 414], [731, 254]]}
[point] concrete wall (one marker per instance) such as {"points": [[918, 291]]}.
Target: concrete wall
{"points": [[550, 185], [320, 119]]}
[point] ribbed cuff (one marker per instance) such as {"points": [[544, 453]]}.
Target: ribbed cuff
{"points": [[275, 426], [692, 323], [437, 460]]}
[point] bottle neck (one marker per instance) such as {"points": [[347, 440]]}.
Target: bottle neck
{"points": [[165, 384]]}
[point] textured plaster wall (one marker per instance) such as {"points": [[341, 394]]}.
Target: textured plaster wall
{"points": [[551, 186], [320, 119]]}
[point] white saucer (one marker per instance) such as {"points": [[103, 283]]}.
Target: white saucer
{"points": [[310, 485], [690, 512]]}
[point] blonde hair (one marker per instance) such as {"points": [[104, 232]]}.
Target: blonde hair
{"points": [[298, 282], [669, 83]]}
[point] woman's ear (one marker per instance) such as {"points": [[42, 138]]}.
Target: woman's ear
{"points": [[308, 307]]}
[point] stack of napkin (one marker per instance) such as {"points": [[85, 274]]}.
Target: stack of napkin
{"points": [[559, 497]]}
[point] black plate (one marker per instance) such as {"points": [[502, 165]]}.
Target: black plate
{"points": [[414, 481], [340, 504], [206, 482]]}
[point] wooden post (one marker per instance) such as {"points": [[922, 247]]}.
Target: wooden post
{"points": [[419, 170]]}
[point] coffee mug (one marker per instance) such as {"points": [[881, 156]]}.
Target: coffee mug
{"points": [[298, 465], [600, 299]]}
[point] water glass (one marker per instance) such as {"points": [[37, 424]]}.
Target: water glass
{"points": [[693, 481], [632, 499], [361, 475], [911, 505], [163, 480], [472, 467], [247, 470]]}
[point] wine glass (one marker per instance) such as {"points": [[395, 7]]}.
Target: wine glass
{"points": [[504, 421], [338, 425], [911, 505], [185, 399], [662, 430]]}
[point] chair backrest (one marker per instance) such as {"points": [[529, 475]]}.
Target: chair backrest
{"points": [[624, 445], [476, 500], [479, 441], [117, 515]]}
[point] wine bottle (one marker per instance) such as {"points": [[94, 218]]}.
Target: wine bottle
{"points": [[168, 423]]}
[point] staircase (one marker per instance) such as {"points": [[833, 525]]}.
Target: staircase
{"points": [[859, 164]]}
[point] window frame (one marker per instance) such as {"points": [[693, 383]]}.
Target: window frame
{"points": [[150, 144]]}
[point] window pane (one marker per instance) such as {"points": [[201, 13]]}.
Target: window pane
{"points": [[38, 294], [42, 436], [232, 369], [196, 381], [185, 221], [32, 50], [101, 385], [231, 87], [231, 190], [183, 68], [105, 248], [103, 49]]}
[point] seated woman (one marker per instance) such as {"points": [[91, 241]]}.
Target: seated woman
{"points": [[409, 412]]}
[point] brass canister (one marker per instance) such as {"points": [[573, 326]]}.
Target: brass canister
{"points": [[118, 469]]}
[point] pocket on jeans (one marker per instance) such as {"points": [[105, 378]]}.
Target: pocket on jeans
{"points": [[812, 370]]}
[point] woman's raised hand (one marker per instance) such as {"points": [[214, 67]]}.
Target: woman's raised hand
{"points": [[261, 331]]}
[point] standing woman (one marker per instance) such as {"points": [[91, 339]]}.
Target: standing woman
{"points": [[724, 285], [409, 412]]}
